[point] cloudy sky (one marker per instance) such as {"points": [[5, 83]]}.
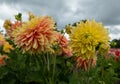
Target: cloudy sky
{"points": [[66, 11]]}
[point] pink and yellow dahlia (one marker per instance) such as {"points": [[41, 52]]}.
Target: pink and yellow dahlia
{"points": [[114, 53], [63, 48], [10, 27], [85, 63], [2, 60], [36, 35]]}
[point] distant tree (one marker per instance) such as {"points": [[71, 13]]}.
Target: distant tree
{"points": [[115, 43], [74, 24]]}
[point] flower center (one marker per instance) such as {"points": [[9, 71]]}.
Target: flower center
{"points": [[86, 36]]}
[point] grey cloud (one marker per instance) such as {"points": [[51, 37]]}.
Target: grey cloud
{"points": [[54, 8], [105, 11], [114, 30]]}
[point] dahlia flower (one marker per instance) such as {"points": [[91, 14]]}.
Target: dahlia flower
{"points": [[36, 35], [84, 63], [2, 60], [104, 49], [6, 46], [63, 48], [31, 15], [10, 27], [115, 53], [1, 39], [68, 29], [85, 37]]}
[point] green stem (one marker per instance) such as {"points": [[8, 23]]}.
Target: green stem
{"points": [[88, 71], [37, 62], [54, 66], [48, 62], [102, 72]]}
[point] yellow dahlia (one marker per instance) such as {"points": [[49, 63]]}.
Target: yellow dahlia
{"points": [[36, 35], [7, 24], [104, 49], [68, 29], [6, 46], [85, 37], [31, 15], [1, 39]]}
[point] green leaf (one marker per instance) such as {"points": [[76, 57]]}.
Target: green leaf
{"points": [[3, 72], [18, 17]]}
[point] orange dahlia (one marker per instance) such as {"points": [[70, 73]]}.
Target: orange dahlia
{"points": [[62, 42], [36, 35]]}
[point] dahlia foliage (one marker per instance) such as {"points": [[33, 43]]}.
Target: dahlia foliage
{"points": [[36, 47]]}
